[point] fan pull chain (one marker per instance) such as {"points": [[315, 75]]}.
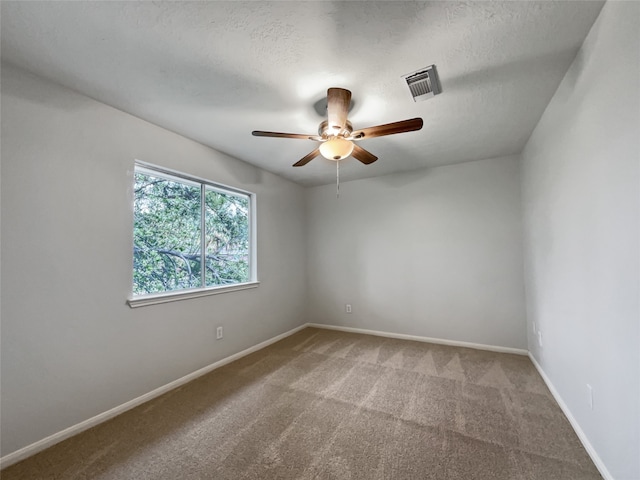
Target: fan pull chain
{"points": [[338, 179]]}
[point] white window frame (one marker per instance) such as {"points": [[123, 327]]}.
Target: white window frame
{"points": [[135, 301]]}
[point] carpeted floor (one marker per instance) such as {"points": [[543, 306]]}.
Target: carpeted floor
{"points": [[329, 405]]}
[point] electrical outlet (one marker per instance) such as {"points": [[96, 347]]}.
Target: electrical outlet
{"points": [[590, 396], [347, 308], [539, 338], [218, 333]]}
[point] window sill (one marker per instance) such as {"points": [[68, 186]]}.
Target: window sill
{"points": [[156, 298]]}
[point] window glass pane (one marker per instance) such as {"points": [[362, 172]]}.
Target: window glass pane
{"points": [[166, 235], [226, 238]]}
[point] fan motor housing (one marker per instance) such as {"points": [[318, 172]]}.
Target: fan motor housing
{"points": [[325, 132]]}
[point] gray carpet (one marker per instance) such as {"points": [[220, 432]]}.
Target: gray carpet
{"points": [[329, 405]]}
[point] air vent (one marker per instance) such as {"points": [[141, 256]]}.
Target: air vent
{"points": [[423, 84]]}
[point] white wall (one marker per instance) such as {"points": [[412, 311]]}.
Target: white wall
{"points": [[435, 252], [580, 201], [71, 347]]}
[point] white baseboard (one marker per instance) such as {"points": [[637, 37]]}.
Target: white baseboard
{"points": [[417, 338], [51, 440], [574, 423]]}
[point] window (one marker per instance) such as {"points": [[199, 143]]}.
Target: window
{"points": [[190, 236]]}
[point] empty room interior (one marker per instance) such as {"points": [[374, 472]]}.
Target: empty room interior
{"points": [[320, 240]]}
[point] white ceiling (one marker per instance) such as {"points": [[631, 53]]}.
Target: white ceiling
{"points": [[215, 71]]}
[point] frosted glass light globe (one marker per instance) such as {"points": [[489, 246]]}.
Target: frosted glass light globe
{"points": [[336, 148]]}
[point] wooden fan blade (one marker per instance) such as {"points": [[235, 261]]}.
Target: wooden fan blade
{"points": [[302, 136], [388, 129], [338, 101], [363, 155], [306, 159]]}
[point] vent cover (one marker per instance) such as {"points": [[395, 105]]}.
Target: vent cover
{"points": [[424, 83]]}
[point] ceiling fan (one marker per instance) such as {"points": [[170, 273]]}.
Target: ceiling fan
{"points": [[337, 134]]}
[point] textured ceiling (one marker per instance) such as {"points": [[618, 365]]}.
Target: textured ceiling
{"points": [[215, 71]]}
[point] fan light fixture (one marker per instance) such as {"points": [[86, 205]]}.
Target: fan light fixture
{"points": [[336, 134], [336, 148]]}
